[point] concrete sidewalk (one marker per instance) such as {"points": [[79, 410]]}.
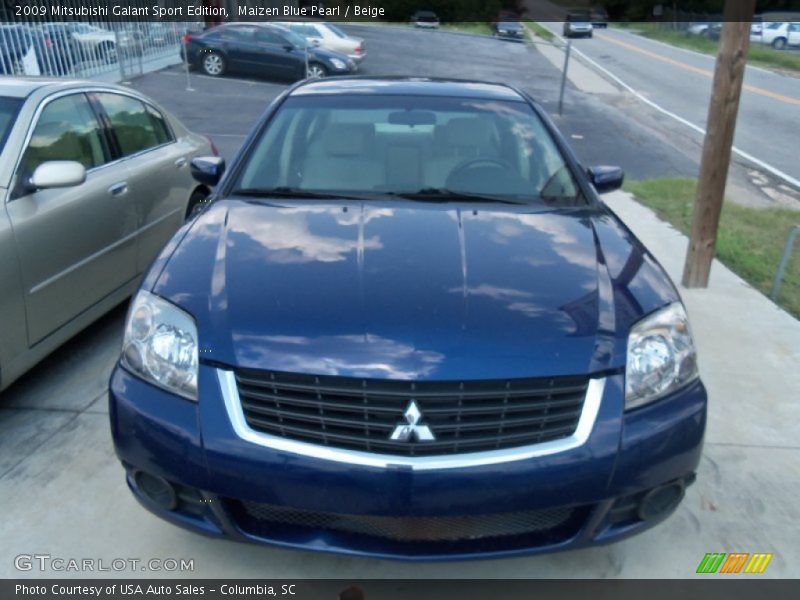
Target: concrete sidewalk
{"points": [[63, 493]]}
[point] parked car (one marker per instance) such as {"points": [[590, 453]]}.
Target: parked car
{"points": [[510, 30], [780, 35], [65, 54], [599, 16], [28, 51], [426, 19], [329, 37], [698, 28], [94, 179], [262, 49], [407, 293], [96, 44], [578, 24]]}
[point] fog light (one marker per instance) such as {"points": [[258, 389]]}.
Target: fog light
{"points": [[661, 500], [159, 491]]}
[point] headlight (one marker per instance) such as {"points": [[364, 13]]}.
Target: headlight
{"points": [[661, 356], [160, 345], [338, 64]]}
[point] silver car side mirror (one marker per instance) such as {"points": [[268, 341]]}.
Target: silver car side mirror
{"points": [[58, 174]]}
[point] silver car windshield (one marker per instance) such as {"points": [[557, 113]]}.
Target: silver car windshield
{"points": [[384, 145]]}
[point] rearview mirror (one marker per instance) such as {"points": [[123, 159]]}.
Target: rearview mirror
{"points": [[606, 179], [57, 174], [412, 117], [207, 169]]}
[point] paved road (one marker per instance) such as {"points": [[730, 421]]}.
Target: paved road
{"points": [[62, 489], [680, 80]]}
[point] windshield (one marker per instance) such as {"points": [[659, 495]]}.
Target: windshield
{"points": [[8, 113], [384, 145], [336, 30], [297, 40]]}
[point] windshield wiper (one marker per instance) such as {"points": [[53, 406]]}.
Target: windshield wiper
{"points": [[445, 195], [291, 192]]}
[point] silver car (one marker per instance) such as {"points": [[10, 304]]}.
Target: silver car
{"points": [[578, 24], [94, 179]]}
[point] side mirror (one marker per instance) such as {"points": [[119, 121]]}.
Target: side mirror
{"points": [[288, 47], [315, 42], [57, 174], [606, 179], [207, 169]]}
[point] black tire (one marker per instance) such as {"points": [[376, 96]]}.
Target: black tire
{"points": [[213, 64], [779, 43], [197, 202], [316, 71], [590, 34]]}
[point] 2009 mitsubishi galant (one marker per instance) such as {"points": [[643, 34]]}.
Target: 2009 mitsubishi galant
{"points": [[407, 327]]}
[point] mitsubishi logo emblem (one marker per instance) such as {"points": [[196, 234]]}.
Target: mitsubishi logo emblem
{"points": [[404, 432]]}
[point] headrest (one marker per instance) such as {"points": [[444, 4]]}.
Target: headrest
{"points": [[348, 139], [468, 131]]}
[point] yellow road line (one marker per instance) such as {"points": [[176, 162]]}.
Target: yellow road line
{"points": [[700, 71]]}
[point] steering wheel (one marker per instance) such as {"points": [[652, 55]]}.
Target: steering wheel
{"points": [[471, 163], [487, 176]]}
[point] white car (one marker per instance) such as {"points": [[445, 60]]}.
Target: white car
{"points": [[578, 24], [779, 35], [329, 37], [698, 28]]}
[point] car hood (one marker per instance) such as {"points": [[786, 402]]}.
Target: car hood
{"points": [[411, 290]]}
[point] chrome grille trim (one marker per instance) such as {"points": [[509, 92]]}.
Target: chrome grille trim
{"points": [[233, 406]]}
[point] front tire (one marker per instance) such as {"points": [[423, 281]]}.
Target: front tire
{"points": [[213, 64], [316, 71], [779, 43]]}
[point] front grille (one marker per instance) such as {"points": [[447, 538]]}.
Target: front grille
{"points": [[258, 518], [361, 414]]}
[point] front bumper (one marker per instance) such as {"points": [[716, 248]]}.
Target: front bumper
{"points": [[225, 486]]}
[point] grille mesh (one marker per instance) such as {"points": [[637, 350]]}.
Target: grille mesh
{"points": [[416, 529], [361, 414]]}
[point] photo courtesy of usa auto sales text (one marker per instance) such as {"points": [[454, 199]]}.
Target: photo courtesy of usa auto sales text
{"points": [[96, 591]]}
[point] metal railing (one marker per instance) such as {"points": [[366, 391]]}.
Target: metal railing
{"points": [[794, 230], [109, 49]]}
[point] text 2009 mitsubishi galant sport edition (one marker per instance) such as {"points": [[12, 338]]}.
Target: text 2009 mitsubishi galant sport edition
{"points": [[407, 327]]}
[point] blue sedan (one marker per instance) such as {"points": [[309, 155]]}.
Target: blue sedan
{"points": [[406, 326], [261, 49]]}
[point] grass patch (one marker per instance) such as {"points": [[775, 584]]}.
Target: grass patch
{"points": [[750, 240], [758, 53], [541, 31], [474, 27]]}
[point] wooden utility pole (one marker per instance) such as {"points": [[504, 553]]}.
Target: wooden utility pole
{"points": [[722, 111]]}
